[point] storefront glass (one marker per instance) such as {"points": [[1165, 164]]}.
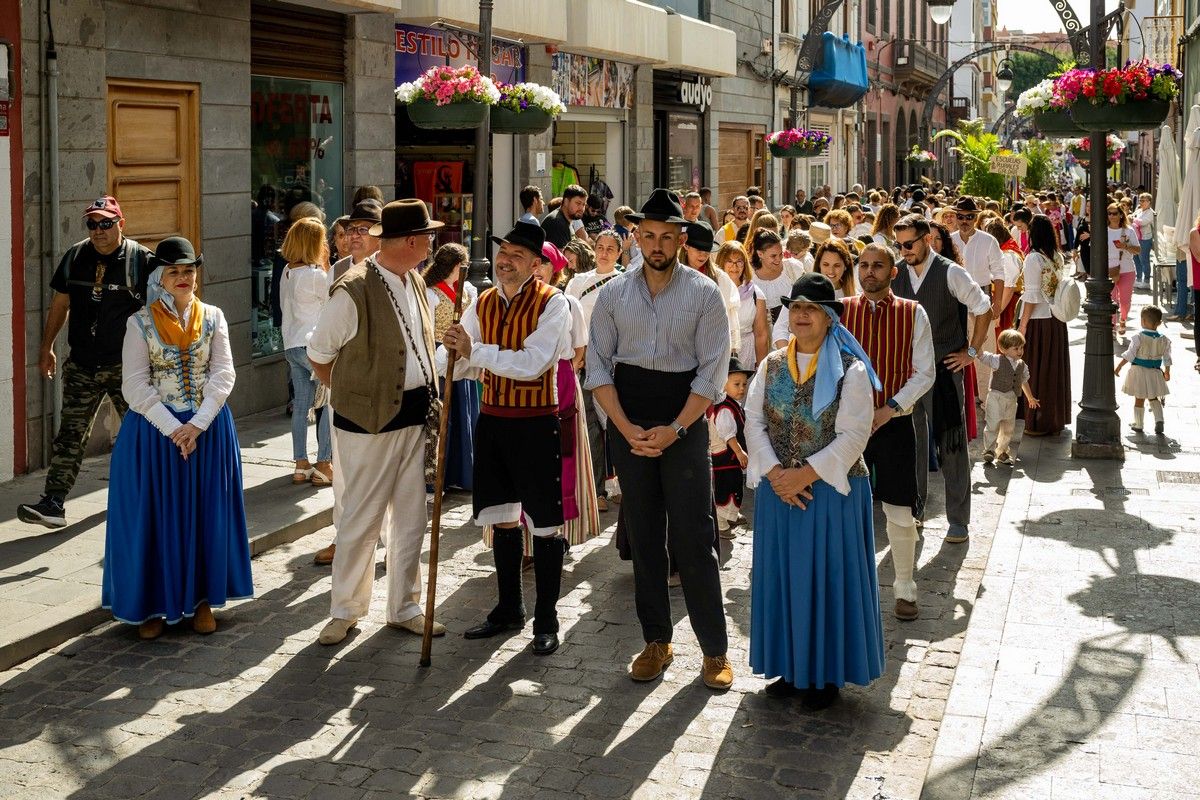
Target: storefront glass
{"points": [[683, 151], [295, 156]]}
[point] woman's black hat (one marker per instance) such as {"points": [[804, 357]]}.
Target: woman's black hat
{"points": [[175, 250], [813, 287], [699, 235], [663, 206]]}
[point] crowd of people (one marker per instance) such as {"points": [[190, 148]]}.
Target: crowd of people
{"points": [[825, 355]]}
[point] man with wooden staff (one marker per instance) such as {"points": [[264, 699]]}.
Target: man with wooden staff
{"points": [[514, 333], [373, 346]]}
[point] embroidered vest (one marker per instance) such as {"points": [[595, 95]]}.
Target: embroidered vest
{"points": [[794, 433], [885, 331], [178, 374], [443, 315], [508, 325], [726, 459]]}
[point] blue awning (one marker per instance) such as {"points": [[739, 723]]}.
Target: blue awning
{"points": [[841, 79]]}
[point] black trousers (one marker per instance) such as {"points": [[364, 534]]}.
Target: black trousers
{"points": [[666, 503]]}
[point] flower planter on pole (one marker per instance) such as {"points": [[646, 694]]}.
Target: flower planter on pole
{"points": [[796, 151], [798, 143], [429, 115], [531, 120], [525, 108], [448, 98], [1135, 115], [1134, 97], [1055, 124]]}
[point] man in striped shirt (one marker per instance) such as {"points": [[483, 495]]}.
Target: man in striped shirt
{"points": [[658, 357]]}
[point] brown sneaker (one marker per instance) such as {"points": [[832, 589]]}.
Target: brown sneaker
{"points": [[651, 663], [906, 610], [324, 556], [717, 672], [204, 622]]}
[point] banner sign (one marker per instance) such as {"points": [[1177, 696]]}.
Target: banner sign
{"points": [[419, 48], [593, 82], [1010, 166]]}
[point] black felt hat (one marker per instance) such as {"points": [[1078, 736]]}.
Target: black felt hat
{"points": [[368, 210], [736, 366], [404, 218], [699, 235], [813, 287], [525, 234], [663, 206], [966, 204], [175, 250]]}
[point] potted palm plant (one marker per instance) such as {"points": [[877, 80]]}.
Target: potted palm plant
{"points": [[448, 98]]}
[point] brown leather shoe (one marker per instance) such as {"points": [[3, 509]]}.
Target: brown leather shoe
{"points": [[906, 610], [652, 661], [151, 629], [204, 622], [324, 556], [717, 672]]}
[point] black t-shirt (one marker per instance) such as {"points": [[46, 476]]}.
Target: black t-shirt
{"points": [[557, 228], [594, 224], [96, 328]]}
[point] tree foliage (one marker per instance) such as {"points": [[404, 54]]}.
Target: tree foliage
{"points": [[975, 149], [1030, 69], [1040, 155]]}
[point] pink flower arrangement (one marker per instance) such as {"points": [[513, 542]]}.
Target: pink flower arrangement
{"points": [[799, 138], [921, 157], [1081, 149], [1135, 82], [445, 85]]}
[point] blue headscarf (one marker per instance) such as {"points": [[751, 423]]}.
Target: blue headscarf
{"points": [[154, 287], [830, 371]]}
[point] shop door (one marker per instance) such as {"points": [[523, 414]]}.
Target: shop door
{"points": [[740, 161], [153, 158]]}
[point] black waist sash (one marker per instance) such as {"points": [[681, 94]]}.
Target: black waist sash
{"points": [[652, 397]]}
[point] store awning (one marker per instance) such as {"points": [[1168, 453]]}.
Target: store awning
{"points": [[623, 30], [529, 21], [841, 79], [695, 46]]}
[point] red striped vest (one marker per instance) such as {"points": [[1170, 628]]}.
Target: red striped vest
{"points": [[887, 335], [508, 326]]}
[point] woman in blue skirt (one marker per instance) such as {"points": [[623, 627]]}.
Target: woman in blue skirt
{"points": [[176, 545], [814, 603]]}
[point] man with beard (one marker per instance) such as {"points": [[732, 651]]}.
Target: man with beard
{"points": [[895, 333], [560, 224], [741, 216], [948, 294], [657, 358]]}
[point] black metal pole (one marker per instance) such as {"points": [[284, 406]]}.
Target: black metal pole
{"points": [[1098, 427], [481, 267]]}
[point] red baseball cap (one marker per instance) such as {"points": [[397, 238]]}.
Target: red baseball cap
{"points": [[106, 206]]}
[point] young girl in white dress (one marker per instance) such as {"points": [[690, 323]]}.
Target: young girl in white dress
{"points": [[1149, 354]]}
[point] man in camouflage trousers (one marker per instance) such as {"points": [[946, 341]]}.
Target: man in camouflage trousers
{"points": [[99, 283]]}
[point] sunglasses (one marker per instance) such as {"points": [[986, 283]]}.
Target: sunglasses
{"points": [[967, 217], [907, 245], [1114, 213], [361, 230], [102, 224]]}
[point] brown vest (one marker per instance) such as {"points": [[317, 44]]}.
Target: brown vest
{"points": [[368, 376]]}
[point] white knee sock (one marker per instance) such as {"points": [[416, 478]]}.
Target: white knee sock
{"points": [[1139, 416], [902, 538], [1156, 409]]}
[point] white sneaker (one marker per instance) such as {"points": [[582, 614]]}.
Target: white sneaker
{"points": [[336, 630]]}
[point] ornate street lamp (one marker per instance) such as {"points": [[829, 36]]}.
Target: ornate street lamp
{"points": [[1004, 75], [479, 272], [939, 10]]}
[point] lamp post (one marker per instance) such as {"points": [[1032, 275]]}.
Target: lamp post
{"points": [[479, 272], [1098, 427]]}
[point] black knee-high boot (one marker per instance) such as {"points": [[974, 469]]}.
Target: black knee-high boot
{"points": [[547, 570], [507, 550]]}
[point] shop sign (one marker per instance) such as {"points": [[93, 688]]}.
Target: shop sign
{"points": [[592, 82], [419, 48], [696, 93], [5, 105]]}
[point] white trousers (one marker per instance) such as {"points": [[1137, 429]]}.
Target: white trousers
{"points": [[383, 494], [902, 539], [1000, 414]]}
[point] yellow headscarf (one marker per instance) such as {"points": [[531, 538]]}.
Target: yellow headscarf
{"points": [[171, 331]]}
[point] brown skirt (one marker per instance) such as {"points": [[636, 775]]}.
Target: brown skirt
{"points": [[1048, 356]]}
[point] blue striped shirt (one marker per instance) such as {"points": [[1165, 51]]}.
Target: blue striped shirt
{"points": [[684, 328]]}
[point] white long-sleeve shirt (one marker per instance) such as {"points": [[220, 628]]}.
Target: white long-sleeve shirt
{"points": [[540, 350], [856, 410], [302, 294], [962, 286], [981, 257], [142, 395]]}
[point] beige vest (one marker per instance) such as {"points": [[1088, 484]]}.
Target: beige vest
{"points": [[368, 375]]}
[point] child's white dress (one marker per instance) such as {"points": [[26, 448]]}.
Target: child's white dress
{"points": [[1148, 354]]}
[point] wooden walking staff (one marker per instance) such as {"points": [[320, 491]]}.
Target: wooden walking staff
{"points": [[439, 481]]}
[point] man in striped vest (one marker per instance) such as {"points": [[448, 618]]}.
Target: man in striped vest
{"points": [[895, 334], [514, 333]]}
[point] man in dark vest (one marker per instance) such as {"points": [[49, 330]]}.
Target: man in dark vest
{"points": [[373, 346], [948, 294], [98, 284]]}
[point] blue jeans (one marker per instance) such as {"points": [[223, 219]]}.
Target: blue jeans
{"points": [[305, 384], [1142, 261], [1182, 295]]}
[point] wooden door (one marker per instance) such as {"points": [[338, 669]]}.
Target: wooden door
{"points": [[153, 158], [740, 161]]}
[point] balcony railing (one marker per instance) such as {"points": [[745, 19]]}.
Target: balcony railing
{"points": [[916, 63], [960, 109], [1161, 38]]}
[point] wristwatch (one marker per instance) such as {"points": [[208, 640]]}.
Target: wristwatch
{"points": [[680, 431], [893, 405], [972, 353]]}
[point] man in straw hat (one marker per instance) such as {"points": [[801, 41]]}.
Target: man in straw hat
{"points": [[657, 358], [373, 346], [515, 333]]}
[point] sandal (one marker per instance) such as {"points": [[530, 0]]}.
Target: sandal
{"points": [[302, 475], [322, 474]]}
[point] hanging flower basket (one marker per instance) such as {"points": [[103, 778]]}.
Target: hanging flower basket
{"points": [[798, 143], [525, 108], [1055, 123], [1081, 149], [1134, 97], [448, 98], [1138, 115], [921, 159]]}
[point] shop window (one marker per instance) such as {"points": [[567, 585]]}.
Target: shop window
{"points": [[683, 151], [295, 156]]}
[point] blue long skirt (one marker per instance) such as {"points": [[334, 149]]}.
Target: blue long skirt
{"points": [[460, 447], [814, 600], [176, 534]]}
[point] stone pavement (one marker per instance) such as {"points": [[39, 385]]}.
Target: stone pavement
{"points": [[1078, 678], [50, 580]]}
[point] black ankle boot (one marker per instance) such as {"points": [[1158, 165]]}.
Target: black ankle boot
{"points": [[547, 569], [818, 699]]}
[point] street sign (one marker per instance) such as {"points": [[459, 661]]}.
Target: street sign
{"points": [[1010, 166]]}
